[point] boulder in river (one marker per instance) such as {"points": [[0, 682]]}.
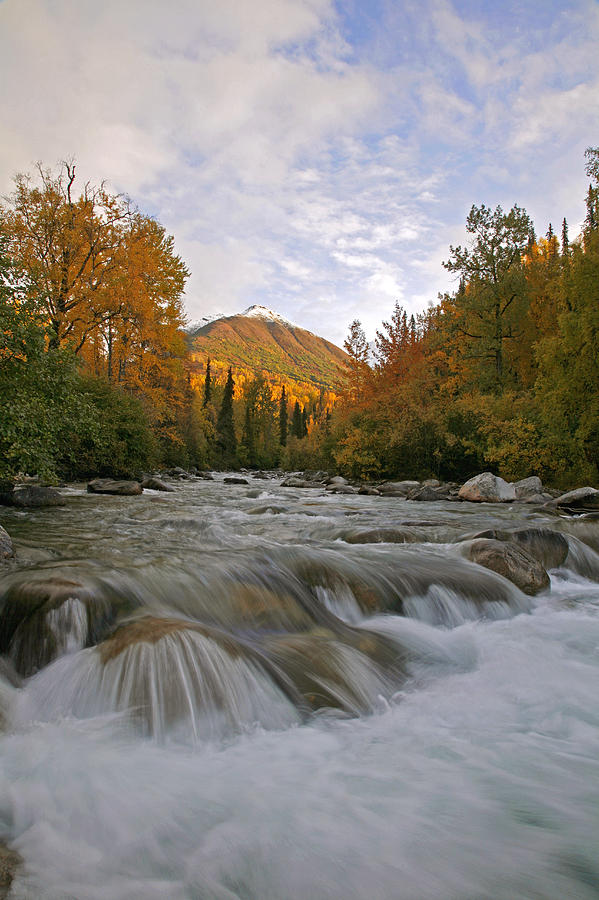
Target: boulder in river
{"points": [[296, 482], [528, 488], [29, 496], [550, 548], [332, 672], [44, 614], [487, 488], [235, 479], [114, 486], [512, 561], [397, 488], [380, 536], [581, 498], [156, 484], [431, 492], [174, 674], [6, 546]]}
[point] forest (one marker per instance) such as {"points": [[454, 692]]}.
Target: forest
{"points": [[96, 375]]}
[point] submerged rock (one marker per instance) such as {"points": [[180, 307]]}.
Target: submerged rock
{"points": [[177, 675], [329, 672], [380, 536], [114, 486], [29, 496], [512, 561], [46, 615], [6, 546], [295, 482], [431, 492], [550, 548], [487, 488], [397, 488], [156, 484]]}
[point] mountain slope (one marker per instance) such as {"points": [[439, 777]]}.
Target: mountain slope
{"points": [[260, 341]]}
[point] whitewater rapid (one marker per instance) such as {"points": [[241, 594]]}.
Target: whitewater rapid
{"points": [[472, 774]]}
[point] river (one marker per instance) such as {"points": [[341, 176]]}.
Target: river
{"points": [[290, 715]]}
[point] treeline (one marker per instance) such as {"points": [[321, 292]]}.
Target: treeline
{"points": [[501, 374], [96, 377], [256, 429], [92, 353]]}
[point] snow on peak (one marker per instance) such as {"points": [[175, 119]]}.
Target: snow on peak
{"points": [[199, 323], [262, 312]]}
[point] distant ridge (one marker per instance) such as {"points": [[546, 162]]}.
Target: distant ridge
{"points": [[260, 341], [255, 311]]}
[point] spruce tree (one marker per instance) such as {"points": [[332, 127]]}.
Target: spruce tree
{"points": [[207, 385], [565, 241], [296, 424], [591, 204], [304, 422], [225, 428], [283, 422]]}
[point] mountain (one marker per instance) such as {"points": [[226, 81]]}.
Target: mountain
{"points": [[259, 340]]}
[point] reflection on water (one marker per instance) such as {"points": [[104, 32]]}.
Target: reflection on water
{"points": [[260, 692]]}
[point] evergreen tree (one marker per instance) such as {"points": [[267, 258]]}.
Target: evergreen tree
{"points": [[296, 424], [225, 428], [283, 421], [565, 241], [207, 385], [488, 312], [304, 422], [591, 204]]}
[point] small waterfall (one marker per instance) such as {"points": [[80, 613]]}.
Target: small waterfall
{"points": [[582, 559], [174, 679], [443, 606]]}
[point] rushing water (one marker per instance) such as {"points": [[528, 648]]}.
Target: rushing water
{"points": [[292, 712]]}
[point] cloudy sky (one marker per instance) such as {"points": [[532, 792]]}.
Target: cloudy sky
{"points": [[312, 156]]}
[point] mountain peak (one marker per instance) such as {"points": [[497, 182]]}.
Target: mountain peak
{"points": [[262, 312]]}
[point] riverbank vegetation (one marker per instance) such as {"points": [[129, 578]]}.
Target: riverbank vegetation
{"points": [[501, 374], [96, 376]]}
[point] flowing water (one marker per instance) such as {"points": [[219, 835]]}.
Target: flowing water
{"points": [[271, 694]]}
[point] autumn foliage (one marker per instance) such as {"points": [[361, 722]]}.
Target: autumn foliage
{"points": [[98, 376], [500, 374]]}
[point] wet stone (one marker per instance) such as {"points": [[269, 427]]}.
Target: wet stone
{"points": [[6, 546], [113, 486], [511, 561], [487, 488], [581, 498], [381, 536], [548, 547], [33, 496], [156, 484]]}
